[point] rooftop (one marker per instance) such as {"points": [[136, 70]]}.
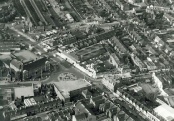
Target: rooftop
{"points": [[23, 91], [168, 115], [26, 55], [66, 86], [112, 77], [148, 88], [114, 40], [144, 94], [80, 108]]}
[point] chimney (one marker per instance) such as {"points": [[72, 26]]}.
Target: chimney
{"points": [[22, 99]]}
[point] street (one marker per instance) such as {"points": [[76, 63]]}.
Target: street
{"points": [[61, 67]]}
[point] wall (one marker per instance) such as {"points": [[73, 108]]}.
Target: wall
{"points": [[58, 93], [13, 67]]}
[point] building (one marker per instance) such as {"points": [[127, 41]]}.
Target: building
{"points": [[118, 46], [67, 89], [136, 37], [159, 42], [170, 98], [138, 62], [150, 50], [82, 117], [25, 65], [6, 95], [69, 17], [159, 8], [148, 113], [8, 47], [150, 65], [76, 62], [41, 105], [111, 82], [110, 109], [90, 52], [96, 101], [99, 108], [82, 113], [59, 115], [165, 111], [86, 93], [3, 70], [23, 91], [26, 103], [149, 91], [115, 60]]}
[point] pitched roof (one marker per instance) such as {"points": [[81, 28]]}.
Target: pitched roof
{"points": [[80, 108], [147, 88], [117, 60], [118, 44], [35, 64], [16, 63]]}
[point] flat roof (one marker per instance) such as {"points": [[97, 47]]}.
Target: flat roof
{"points": [[23, 91], [26, 55], [169, 111], [66, 86]]}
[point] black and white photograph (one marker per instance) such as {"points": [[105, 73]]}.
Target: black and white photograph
{"points": [[86, 60]]}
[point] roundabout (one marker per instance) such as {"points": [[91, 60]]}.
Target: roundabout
{"points": [[66, 76]]}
